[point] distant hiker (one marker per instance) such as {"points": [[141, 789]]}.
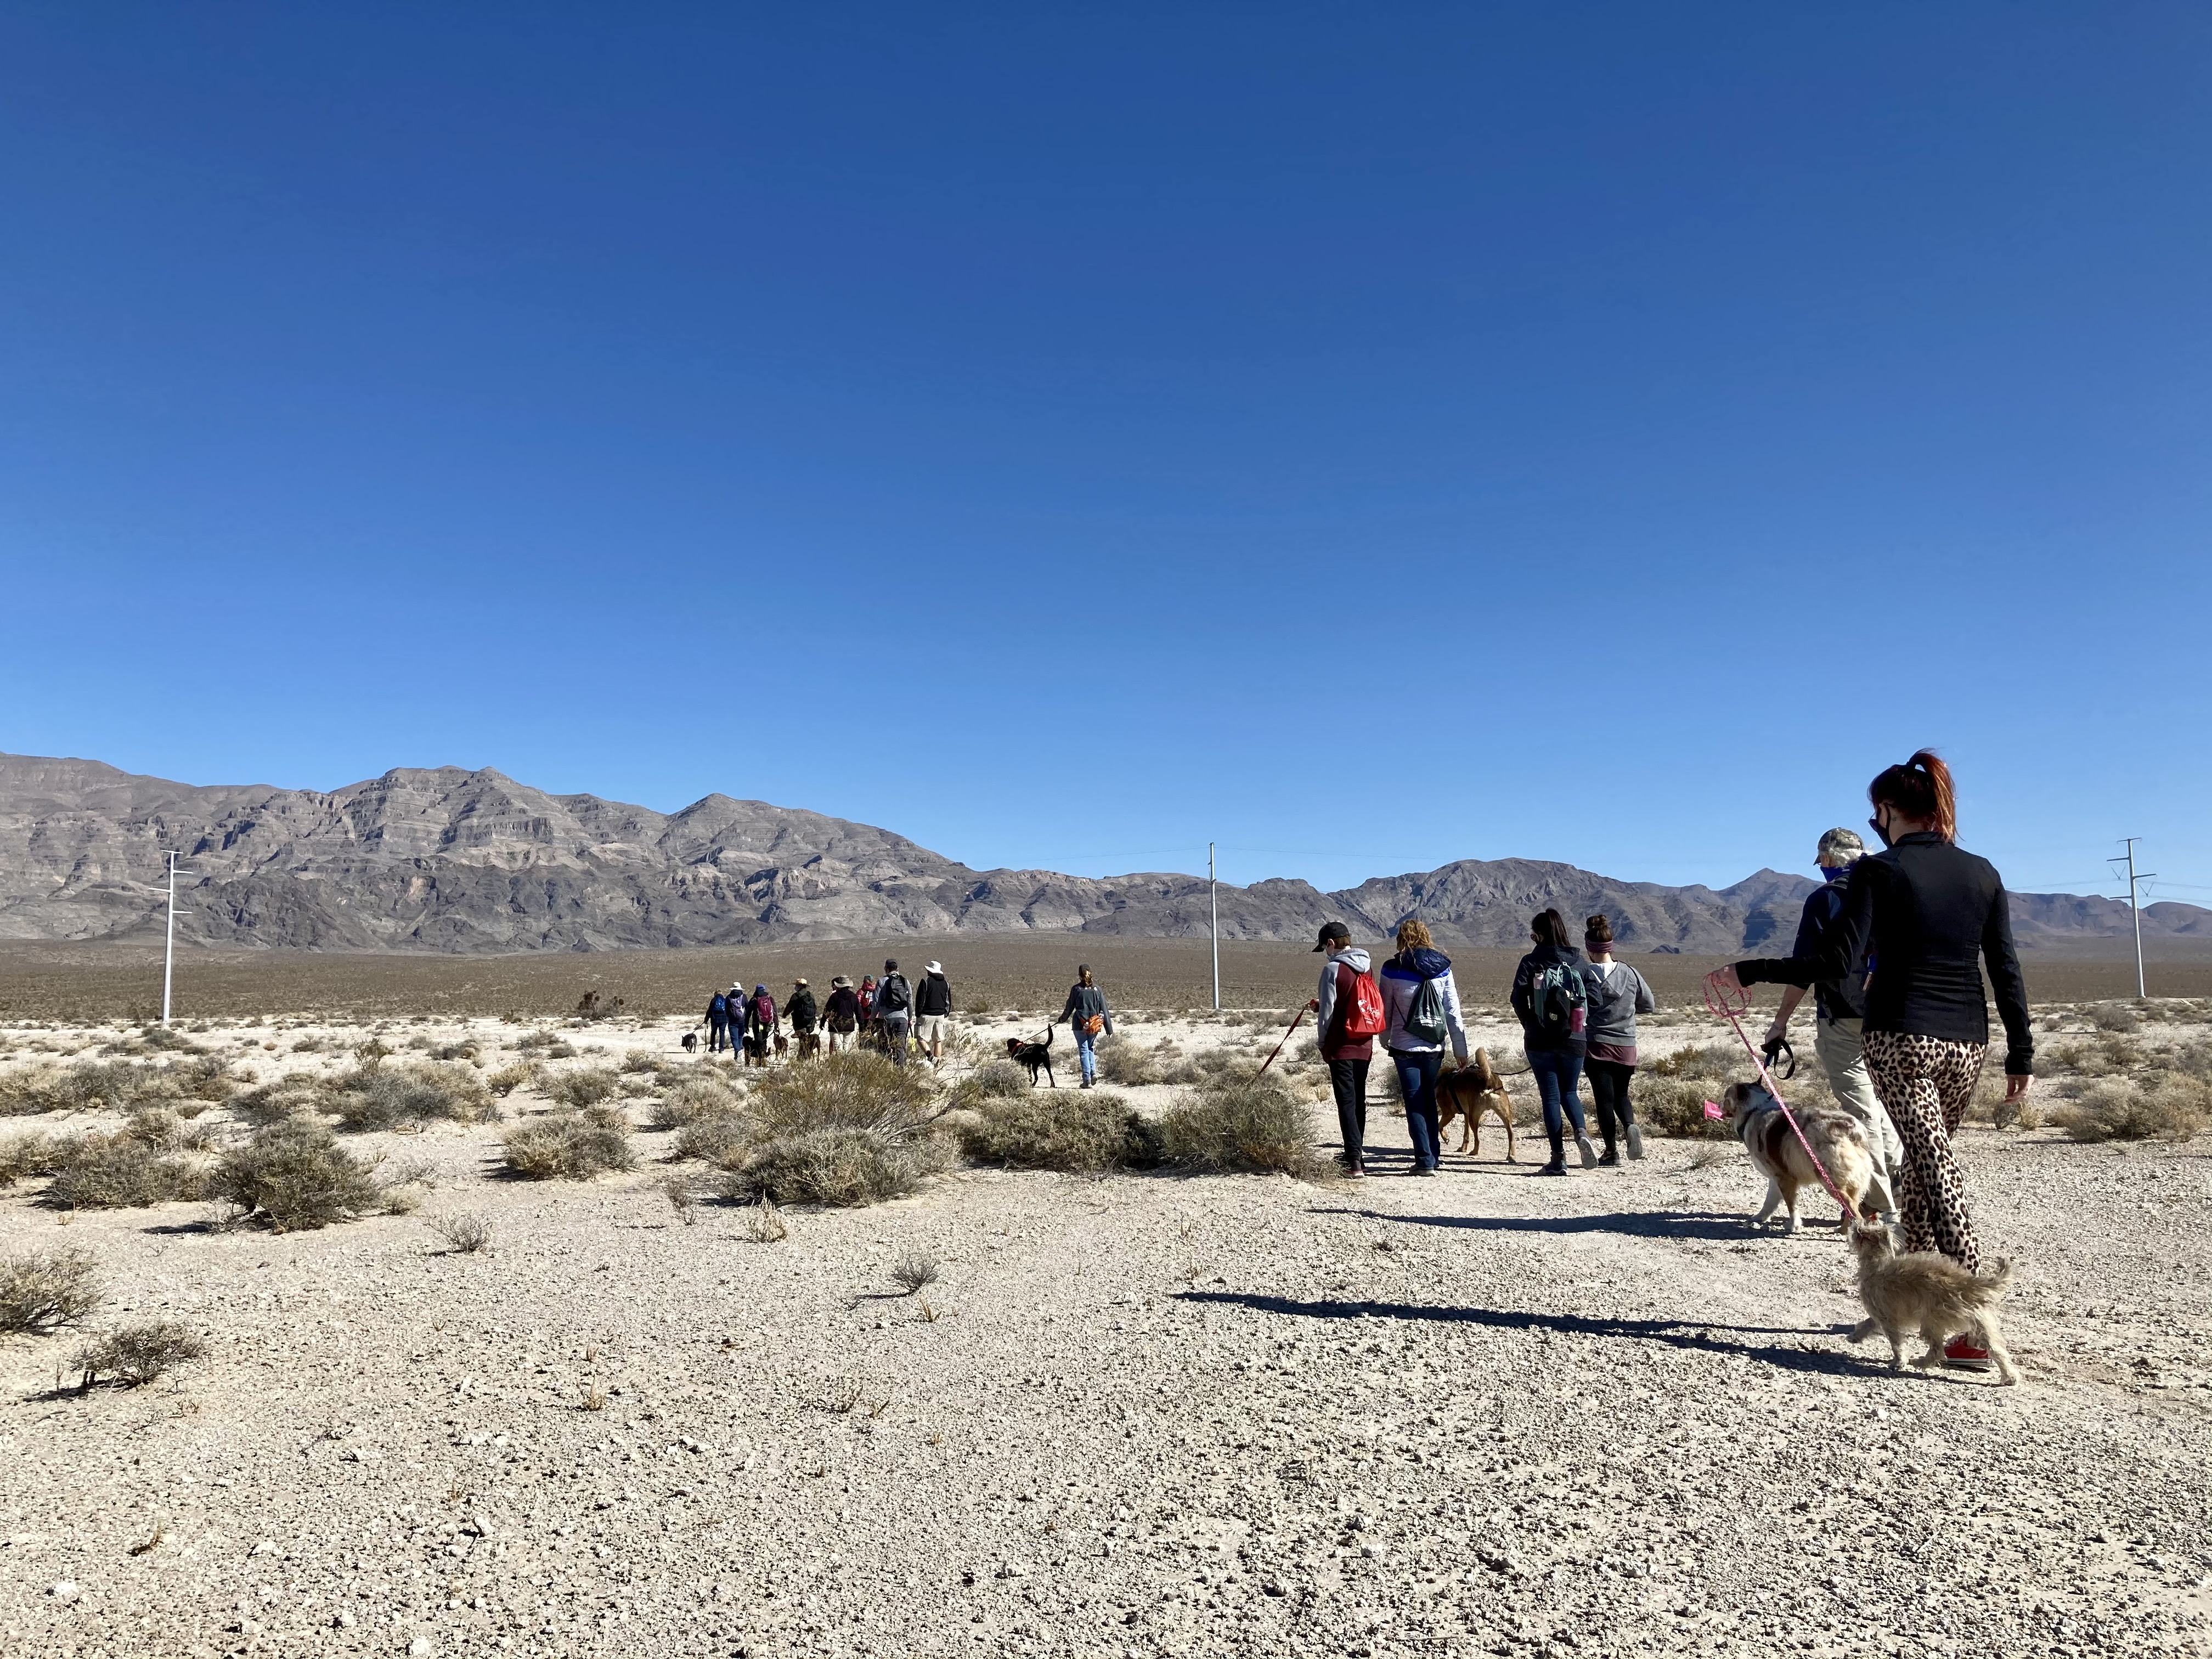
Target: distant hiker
{"points": [[1420, 1008], [841, 1015], [718, 1022], [760, 1025], [1087, 1015], [1350, 1015], [1552, 998], [1925, 917], [1616, 995], [1839, 1013], [933, 1005], [800, 1009], [868, 1004], [894, 1012]]}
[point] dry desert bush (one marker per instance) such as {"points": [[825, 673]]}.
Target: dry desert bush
{"points": [[995, 1079], [763, 1224], [131, 1356], [570, 1145], [390, 1097], [111, 1085], [915, 1272], [120, 1171], [1077, 1131], [1240, 1125], [696, 1095], [2116, 1016], [294, 1177], [508, 1078], [839, 1166], [462, 1235], [1129, 1063], [41, 1290], [2167, 1108], [588, 1085], [846, 1129]]}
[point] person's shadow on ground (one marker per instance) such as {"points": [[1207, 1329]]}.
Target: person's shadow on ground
{"points": [[1712, 1225], [1693, 1336]]}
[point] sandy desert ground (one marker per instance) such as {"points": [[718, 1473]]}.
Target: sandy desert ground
{"points": [[1137, 1415]]}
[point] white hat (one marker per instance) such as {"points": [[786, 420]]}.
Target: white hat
{"points": [[932, 968]]}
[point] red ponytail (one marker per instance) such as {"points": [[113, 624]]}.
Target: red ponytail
{"points": [[1921, 788]]}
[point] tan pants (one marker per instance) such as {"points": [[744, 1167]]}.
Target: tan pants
{"points": [[1842, 1050]]}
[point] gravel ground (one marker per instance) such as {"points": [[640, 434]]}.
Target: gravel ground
{"points": [[1135, 1415]]}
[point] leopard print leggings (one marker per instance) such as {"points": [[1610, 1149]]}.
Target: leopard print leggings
{"points": [[1925, 1083]]}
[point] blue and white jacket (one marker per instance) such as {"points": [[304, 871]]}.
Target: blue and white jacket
{"points": [[1401, 977]]}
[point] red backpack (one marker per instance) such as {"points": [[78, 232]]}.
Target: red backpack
{"points": [[1363, 1014]]}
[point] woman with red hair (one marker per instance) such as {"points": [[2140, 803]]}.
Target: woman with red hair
{"points": [[1924, 916]]}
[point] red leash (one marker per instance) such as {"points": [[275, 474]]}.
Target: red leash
{"points": [[1732, 1005]]}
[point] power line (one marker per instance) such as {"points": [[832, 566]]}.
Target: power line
{"points": [[2135, 910]]}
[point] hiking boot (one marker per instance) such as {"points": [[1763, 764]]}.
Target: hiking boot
{"points": [[1608, 1159], [1557, 1166], [1963, 1353], [1355, 1171], [1422, 1169], [1589, 1152], [1636, 1140]]}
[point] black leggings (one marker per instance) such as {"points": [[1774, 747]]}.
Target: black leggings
{"points": [[1609, 1080]]}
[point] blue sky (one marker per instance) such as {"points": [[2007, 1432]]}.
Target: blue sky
{"points": [[1365, 436]]}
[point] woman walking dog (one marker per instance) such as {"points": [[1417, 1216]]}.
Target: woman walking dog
{"points": [[1616, 995], [1420, 1009], [1925, 916], [1086, 1015]]}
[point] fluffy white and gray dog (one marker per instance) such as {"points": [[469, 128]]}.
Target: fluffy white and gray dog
{"points": [[1928, 1294], [1839, 1139]]}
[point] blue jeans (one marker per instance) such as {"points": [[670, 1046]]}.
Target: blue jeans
{"points": [[1558, 1078], [1086, 1050], [1417, 1081]]}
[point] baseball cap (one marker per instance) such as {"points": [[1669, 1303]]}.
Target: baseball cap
{"points": [[1332, 931]]}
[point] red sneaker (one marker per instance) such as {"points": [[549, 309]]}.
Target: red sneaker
{"points": [[1964, 1355]]}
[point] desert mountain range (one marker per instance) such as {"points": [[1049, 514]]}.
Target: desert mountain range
{"points": [[445, 859]]}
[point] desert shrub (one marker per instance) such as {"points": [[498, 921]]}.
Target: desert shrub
{"points": [[466, 1049], [914, 1271], [462, 1235], [694, 1096], [561, 1051], [43, 1290], [995, 1079], [1714, 1061], [1129, 1063], [508, 1078], [2115, 1016], [88, 1085], [1072, 1130], [296, 1094], [570, 1145], [1239, 1126], [588, 1085], [132, 1356], [538, 1039], [2169, 1107], [293, 1176], [387, 1096], [838, 1165], [721, 1140], [847, 1090], [763, 1224], [637, 1061], [1674, 1106], [120, 1171], [25, 1156]]}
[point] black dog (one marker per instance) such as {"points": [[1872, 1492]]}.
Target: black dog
{"points": [[1037, 1056], [690, 1042]]}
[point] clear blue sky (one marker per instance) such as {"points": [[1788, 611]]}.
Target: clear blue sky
{"points": [[1365, 436]]}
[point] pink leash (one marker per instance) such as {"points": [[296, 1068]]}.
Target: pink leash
{"points": [[1732, 1007]]}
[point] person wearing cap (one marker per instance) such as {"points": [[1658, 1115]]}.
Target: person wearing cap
{"points": [[932, 1009], [841, 1015], [800, 1009], [1087, 1015], [893, 1010], [1839, 1015], [1347, 1057]]}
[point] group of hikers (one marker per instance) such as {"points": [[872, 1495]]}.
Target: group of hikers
{"points": [[890, 1015], [1892, 945]]}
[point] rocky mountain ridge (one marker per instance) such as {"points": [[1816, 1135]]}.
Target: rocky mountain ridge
{"points": [[447, 860]]}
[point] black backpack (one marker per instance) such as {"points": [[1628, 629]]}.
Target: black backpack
{"points": [[892, 996], [1558, 998]]}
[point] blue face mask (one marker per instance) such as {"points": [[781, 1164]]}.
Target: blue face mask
{"points": [[1830, 872]]}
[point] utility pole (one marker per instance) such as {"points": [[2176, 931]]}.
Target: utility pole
{"points": [[169, 949], [1213, 903], [2134, 910]]}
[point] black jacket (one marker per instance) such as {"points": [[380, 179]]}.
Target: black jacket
{"points": [[1083, 1002], [934, 995], [1524, 1000], [800, 1011], [1923, 918], [843, 1012], [1836, 998]]}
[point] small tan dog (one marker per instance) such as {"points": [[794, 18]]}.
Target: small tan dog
{"points": [[1840, 1142], [1467, 1093], [1929, 1293]]}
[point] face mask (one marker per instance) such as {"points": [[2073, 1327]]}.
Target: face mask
{"points": [[1875, 825], [1830, 872]]}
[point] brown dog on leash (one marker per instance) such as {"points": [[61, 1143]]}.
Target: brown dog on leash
{"points": [[1467, 1093]]}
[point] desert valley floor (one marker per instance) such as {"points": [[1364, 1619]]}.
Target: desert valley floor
{"points": [[1135, 1414]]}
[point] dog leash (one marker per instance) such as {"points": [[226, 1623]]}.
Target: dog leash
{"points": [[1270, 1060], [1732, 1005]]}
